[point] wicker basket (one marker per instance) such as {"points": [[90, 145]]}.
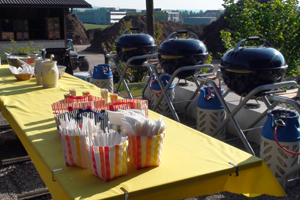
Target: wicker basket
{"points": [[23, 77]]}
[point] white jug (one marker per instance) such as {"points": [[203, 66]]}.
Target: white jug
{"points": [[38, 70], [50, 74]]}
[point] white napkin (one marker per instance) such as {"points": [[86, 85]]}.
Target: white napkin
{"points": [[24, 69]]}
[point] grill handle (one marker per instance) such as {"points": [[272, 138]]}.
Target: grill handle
{"points": [[131, 29], [181, 32], [253, 38]]}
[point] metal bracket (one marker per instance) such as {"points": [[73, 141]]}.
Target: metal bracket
{"points": [[236, 168], [125, 192], [56, 170]]}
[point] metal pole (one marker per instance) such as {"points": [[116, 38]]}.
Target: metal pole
{"points": [[150, 18], [194, 67], [193, 96], [250, 95], [122, 75], [164, 91], [229, 117]]}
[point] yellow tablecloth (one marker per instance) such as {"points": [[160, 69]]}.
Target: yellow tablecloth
{"points": [[193, 164]]}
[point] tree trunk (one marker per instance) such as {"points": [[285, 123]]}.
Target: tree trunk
{"points": [[150, 18]]}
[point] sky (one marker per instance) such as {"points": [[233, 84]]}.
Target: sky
{"points": [[164, 4]]}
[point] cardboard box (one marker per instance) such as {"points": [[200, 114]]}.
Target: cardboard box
{"points": [[7, 36], [19, 35], [50, 35], [57, 35], [26, 35]]}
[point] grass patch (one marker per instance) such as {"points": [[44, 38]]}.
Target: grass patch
{"points": [[94, 26], [135, 89]]}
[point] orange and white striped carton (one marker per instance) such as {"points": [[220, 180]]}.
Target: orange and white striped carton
{"points": [[145, 151], [108, 155], [125, 104], [74, 149], [79, 102], [145, 139], [73, 138]]}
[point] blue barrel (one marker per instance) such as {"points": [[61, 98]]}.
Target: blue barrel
{"points": [[289, 133], [210, 113], [163, 107], [164, 79], [102, 72], [279, 161], [103, 77], [212, 103]]}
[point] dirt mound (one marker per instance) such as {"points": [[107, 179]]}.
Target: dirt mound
{"points": [[76, 30], [107, 34]]}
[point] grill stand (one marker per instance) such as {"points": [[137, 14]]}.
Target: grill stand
{"points": [[152, 69], [174, 75], [122, 74], [231, 114]]}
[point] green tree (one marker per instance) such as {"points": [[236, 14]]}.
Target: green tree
{"points": [[277, 21]]}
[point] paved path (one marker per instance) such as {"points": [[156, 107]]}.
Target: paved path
{"points": [[93, 58]]}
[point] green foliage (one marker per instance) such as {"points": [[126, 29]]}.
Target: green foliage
{"points": [[158, 33], [94, 26], [17, 49], [208, 61], [14, 48], [277, 21]]}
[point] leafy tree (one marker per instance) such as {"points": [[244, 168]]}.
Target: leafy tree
{"points": [[276, 20]]}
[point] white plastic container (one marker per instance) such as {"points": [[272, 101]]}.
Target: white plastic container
{"points": [[38, 70], [50, 74]]}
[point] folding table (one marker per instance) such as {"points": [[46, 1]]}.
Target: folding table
{"points": [[193, 164]]}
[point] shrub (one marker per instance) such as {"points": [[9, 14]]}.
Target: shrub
{"points": [[277, 21]]}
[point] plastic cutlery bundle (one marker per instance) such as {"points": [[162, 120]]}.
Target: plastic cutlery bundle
{"points": [[141, 126]]}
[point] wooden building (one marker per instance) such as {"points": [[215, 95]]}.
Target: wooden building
{"points": [[40, 21]]}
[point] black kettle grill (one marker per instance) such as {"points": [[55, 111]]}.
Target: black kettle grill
{"points": [[176, 52], [130, 45], [245, 68]]}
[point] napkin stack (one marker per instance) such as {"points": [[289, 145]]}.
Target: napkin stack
{"points": [[24, 69]]}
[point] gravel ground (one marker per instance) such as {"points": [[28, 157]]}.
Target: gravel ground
{"points": [[22, 177]]}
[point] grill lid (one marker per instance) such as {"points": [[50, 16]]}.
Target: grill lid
{"points": [[135, 40], [253, 57], [181, 46]]}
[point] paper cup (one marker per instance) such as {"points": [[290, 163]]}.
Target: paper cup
{"points": [[104, 94], [113, 97], [145, 151], [67, 95], [73, 92], [85, 93]]}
